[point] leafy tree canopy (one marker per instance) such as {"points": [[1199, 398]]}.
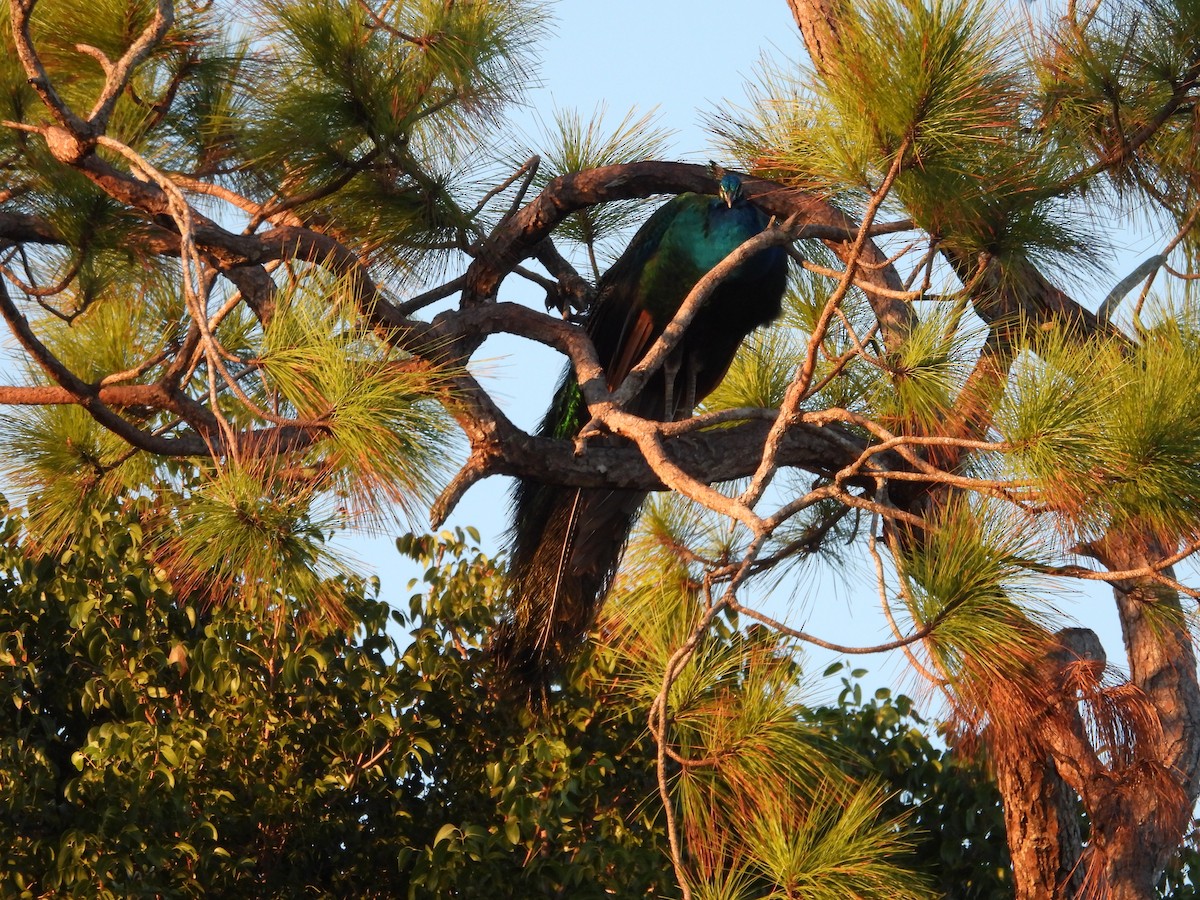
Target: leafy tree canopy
{"points": [[156, 745]]}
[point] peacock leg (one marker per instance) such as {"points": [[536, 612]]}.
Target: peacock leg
{"points": [[670, 371], [689, 391]]}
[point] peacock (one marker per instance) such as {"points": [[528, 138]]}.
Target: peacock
{"points": [[565, 543]]}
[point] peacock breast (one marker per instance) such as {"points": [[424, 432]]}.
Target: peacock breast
{"points": [[722, 229]]}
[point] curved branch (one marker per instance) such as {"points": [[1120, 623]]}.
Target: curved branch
{"points": [[515, 239]]}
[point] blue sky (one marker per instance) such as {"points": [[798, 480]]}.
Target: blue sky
{"points": [[681, 57]]}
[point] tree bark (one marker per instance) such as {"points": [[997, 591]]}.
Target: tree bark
{"points": [[1041, 821], [818, 20], [1162, 664]]}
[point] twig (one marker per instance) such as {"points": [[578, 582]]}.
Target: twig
{"points": [[1145, 270], [649, 442], [420, 301], [1166, 252], [905, 295], [85, 395], [118, 74], [798, 389], [419, 41]]}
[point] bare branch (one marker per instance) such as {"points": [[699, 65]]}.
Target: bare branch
{"points": [[118, 74], [798, 389]]}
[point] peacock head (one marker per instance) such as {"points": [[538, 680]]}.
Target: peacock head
{"points": [[730, 189]]}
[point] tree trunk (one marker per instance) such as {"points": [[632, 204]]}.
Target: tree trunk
{"points": [[1162, 664], [817, 20], [1042, 821], [1063, 736]]}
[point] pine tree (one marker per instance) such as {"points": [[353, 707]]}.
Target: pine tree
{"points": [[246, 268]]}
